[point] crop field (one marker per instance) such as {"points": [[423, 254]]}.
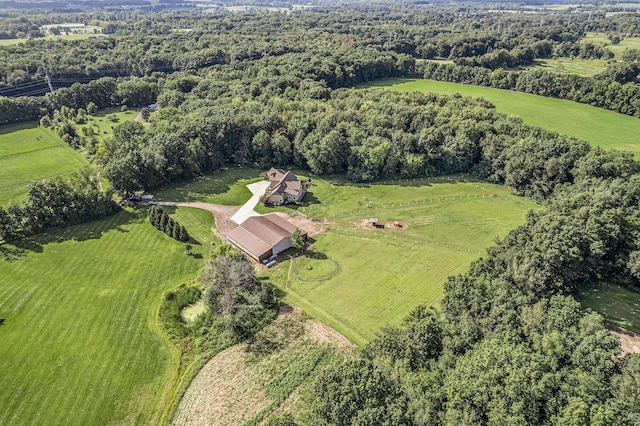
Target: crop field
{"points": [[29, 152], [599, 127], [617, 304], [442, 226], [80, 344]]}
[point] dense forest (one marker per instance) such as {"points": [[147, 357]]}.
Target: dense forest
{"points": [[509, 343]]}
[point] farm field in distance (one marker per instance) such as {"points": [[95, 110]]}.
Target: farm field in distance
{"points": [[583, 67], [384, 273], [29, 152], [81, 341], [600, 127]]}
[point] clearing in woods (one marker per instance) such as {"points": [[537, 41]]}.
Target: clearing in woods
{"points": [[384, 273], [80, 343], [598, 126], [617, 304], [248, 382], [29, 152]]}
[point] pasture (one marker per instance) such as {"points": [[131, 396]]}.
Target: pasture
{"points": [[583, 67], [617, 49], [29, 152], [600, 127], [384, 273], [81, 344]]}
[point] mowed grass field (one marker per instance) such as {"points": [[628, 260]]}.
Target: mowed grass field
{"points": [[226, 187], [29, 152], [384, 273], [600, 127], [80, 344]]}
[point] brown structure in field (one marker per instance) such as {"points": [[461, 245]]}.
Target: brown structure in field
{"points": [[262, 237], [284, 187]]}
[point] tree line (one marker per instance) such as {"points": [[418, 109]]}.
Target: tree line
{"points": [[622, 97], [53, 203], [510, 344]]}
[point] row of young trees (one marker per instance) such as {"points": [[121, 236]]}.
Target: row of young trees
{"points": [[162, 221], [55, 203]]}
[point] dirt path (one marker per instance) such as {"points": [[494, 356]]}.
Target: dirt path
{"points": [[629, 341], [222, 215]]}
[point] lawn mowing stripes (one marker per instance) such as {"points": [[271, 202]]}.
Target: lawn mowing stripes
{"points": [[96, 320]]}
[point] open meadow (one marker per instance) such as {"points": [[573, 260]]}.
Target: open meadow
{"points": [[583, 67], [80, 343], [29, 152], [617, 49], [362, 277], [598, 126]]}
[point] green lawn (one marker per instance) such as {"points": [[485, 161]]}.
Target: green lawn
{"points": [[29, 152], [617, 304], [385, 273], [600, 127], [80, 344], [227, 187]]}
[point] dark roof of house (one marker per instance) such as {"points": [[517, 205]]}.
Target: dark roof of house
{"points": [[259, 234], [282, 182]]}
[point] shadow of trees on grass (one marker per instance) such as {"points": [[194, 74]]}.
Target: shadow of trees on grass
{"points": [[93, 230]]}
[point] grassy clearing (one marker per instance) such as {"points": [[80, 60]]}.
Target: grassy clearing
{"points": [[384, 273], [617, 304], [103, 125], [29, 152], [600, 127], [583, 67], [80, 343], [226, 187], [617, 49]]}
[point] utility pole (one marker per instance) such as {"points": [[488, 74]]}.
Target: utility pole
{"points": [[46, 77]]}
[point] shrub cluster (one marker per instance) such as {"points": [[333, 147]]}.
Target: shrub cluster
{"points": [[165, 223]]}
